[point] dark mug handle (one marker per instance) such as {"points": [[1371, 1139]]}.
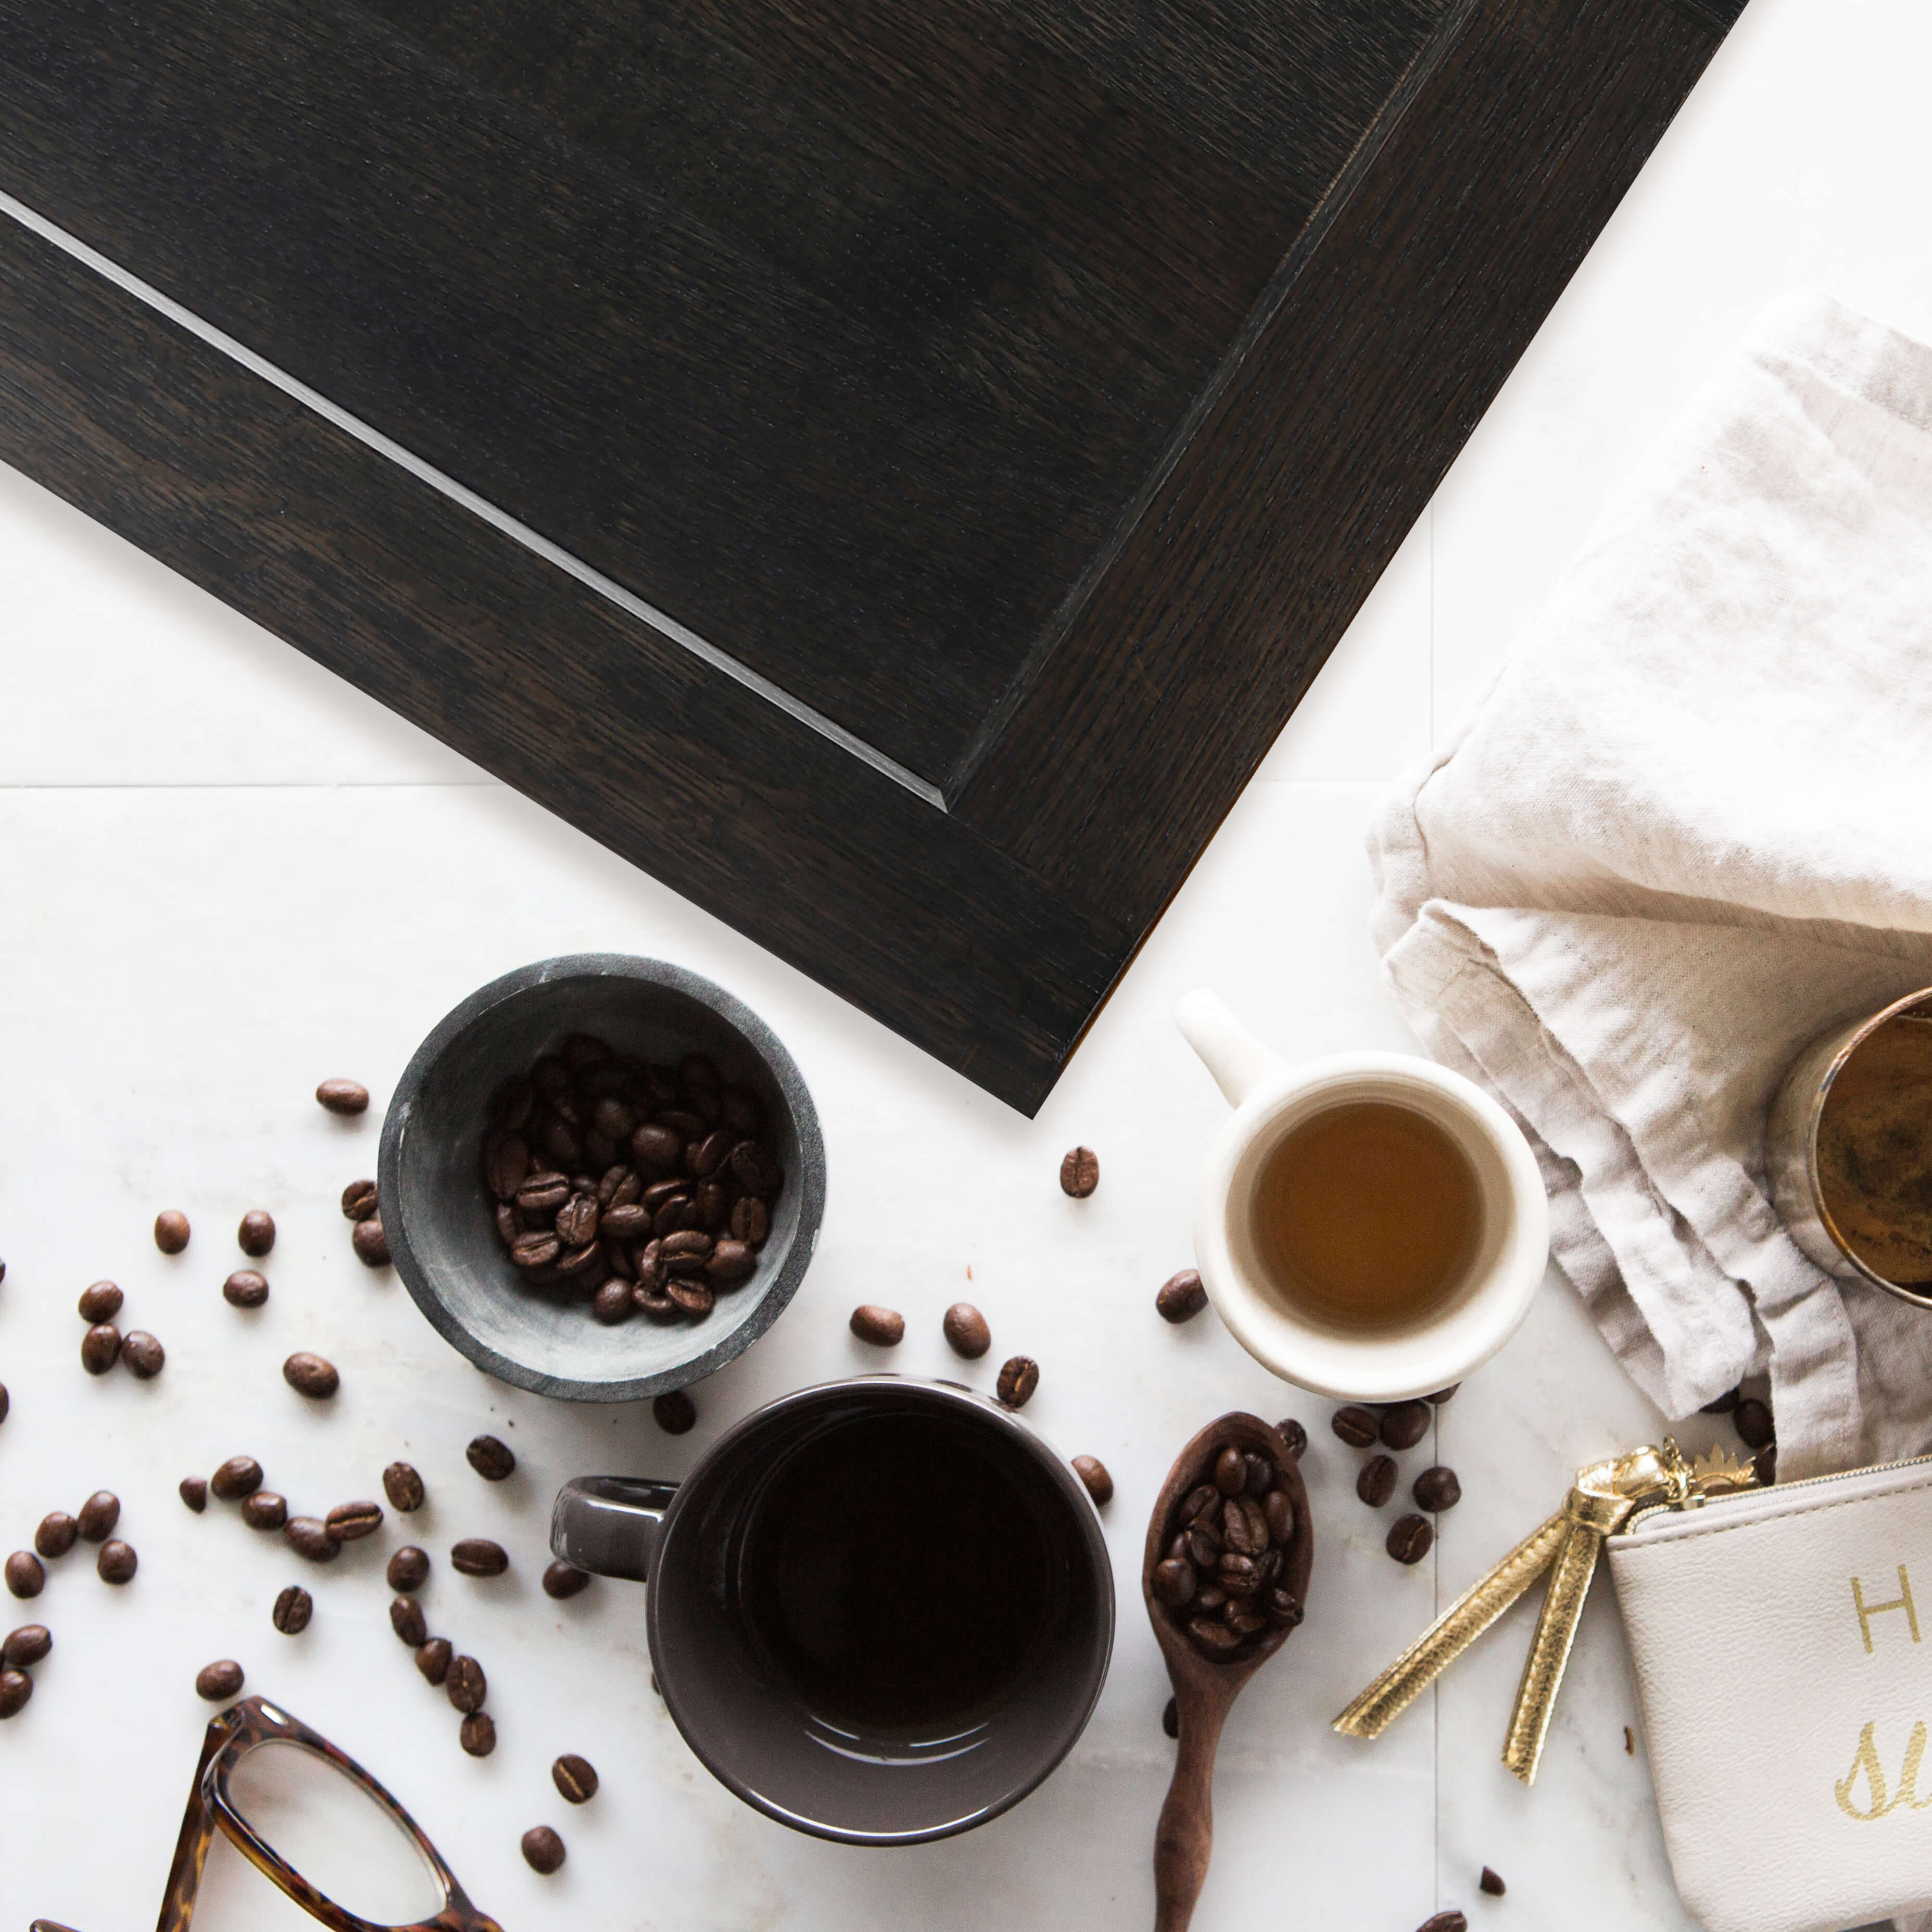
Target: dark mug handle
{"points": [[609, 1525]]}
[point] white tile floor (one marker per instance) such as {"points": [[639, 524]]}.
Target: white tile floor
{"points": [[223, 875]]}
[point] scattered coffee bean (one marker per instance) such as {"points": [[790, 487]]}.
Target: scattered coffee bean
{"points": [[16, 1687], [100, 1303], [98, 1515], [562, 1580], [1441, 1395], [408, 1570], [543, 1849], [1444, 1921], [1079, 1172], [264, 1510], [1409, 1539], [240, 1476], [406, 1619], [352, 1521], [1019, 1376], [1291, 1432], [309, 1537], [193, 1491], [1092, 1472], [402, 1486], [218, 1682], [1437, 1489], [884, 1327], [143, 1355], [309, 1374], [1491, 1883], [1752, 1421], [433, 1659], [1405, 1424], [966, 1331], [1181, 1296], [477, 1556], [675, 1411], [171, 1230], [493, 1460], [359, 1200], [466, 1686], [1376, 1484], [575, 1780], [117, 1562], [346, 1097], [370, 1244], [256, 1234], [1170, 1718], [477, 1734], [100, 1348], [293, 1608], [1724, 1404], [6, 1400], [56, 1533], [1231, 1471], [245, 1289], [1357, 1427], [25, 1647]]}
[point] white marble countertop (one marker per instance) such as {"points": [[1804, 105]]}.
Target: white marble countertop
{"points": [[223, 875]]}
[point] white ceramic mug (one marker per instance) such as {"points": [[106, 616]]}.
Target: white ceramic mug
{"points": [[1271, 1099]]}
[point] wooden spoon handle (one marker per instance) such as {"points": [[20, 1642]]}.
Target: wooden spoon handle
{"points": [[1184, 1839]]}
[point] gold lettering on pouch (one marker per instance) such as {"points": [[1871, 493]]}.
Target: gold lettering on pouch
{"points": [[1903, 1601], [1880, 1798]]}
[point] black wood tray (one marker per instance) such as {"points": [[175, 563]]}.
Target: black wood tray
{"points": [[890, 470]]}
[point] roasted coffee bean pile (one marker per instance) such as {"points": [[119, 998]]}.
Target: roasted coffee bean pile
{"points": [[1227, 1544], [103, 1345], [648, 1188], [1397, 1425]]}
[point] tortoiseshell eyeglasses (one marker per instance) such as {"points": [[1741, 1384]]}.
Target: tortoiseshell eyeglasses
{"points": [[245, 1727]]}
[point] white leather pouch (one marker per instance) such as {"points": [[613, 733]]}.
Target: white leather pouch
{"points": [[1783, 1645]]}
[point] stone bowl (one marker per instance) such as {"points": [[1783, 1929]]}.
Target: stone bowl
{"points": [[436, 1212]]}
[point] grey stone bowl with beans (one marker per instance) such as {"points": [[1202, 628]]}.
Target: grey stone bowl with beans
{"points": [[541, 1326]]}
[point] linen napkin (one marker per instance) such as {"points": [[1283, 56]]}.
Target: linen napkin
{"points": [[1687, 830]]}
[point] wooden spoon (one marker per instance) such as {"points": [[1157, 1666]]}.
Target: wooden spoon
{"points": [[1205, 1688]]}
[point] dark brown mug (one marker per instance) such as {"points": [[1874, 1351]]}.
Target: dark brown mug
{"points": [[880, 1610]]}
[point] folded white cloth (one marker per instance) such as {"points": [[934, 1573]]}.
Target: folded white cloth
{"points": [[1687, 830]]}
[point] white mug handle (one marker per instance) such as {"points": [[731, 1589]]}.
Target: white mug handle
{"points": [[1238, 1061]]}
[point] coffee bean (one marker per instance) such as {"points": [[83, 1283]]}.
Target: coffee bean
{"points": [[477, 1734], [1376, 1484], [1170, 1718], [1724, 1404], [293, 1608], [98, 1515], [16, 1687], [884, 1327], [543, 1849], [406, 1619], [6, 1400], [100, 1303], [256, 1234], [54, 1537], [1079, 1172], [466, 1686], [171, 1230], [695, 1297], [1357, 1427], [1291, 1432], [675, 1411], [1092, 1472], [346, 1097], [709, 1155], [576, 1220], [625, 1224], [218, 1682], [1280, 1514], [309, 1374], [1441, 1395], [751, 1221], [1018, 1378], [493, 1460], [657, 1149], [352, 1521], [1409, 1539], [536, 1250], [143, 1355], [240, 1476], [245, 1289], [100, 1348], [402, 1486], [1492, 1883], [265, 1510], [433, 1659], [25, 1647], [1214, 1636], [1261, 1477], [409, 1570], [1181, 1296], [359, 1200], [1173, 1581], [311, 1537], [1753, 1421], [477, 1556], [1437, 1489], [1444, 1921], [117, 1562], [729, 1263], [574, 1779], [370, 1244], [1231, 1471], [1406, 1424], [1764, 1466], [560, 1581]]}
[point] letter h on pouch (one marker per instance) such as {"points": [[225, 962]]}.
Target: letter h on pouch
{"points": [[1903, 1601]]}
